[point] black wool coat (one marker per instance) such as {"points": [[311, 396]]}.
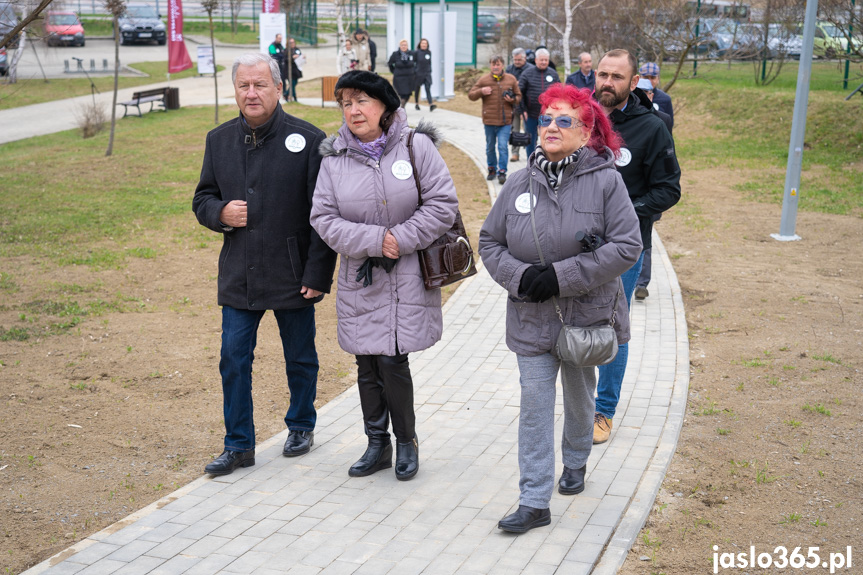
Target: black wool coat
{"points": [[274, 169]]}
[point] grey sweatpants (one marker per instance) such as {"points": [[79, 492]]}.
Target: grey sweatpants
{"points": [[538, 376]]}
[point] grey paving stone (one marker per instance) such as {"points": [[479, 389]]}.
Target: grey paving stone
{"points": [[163, 532], [176, 565], [171, 547], [132, 551], [250, 561], [238, 545], [102, 567], [140, 566], [94, 553]]}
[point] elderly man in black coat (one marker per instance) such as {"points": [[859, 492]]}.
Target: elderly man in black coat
{"points": [[256, 187]]}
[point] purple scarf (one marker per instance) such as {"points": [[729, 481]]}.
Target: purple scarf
{"points": [[374, 148]]}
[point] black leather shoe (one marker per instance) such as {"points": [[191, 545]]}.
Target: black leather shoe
{"points": [[525, 519], [379, 455], [298, 443], [417, 106], [228, 461], [407, 459], [492, 174], [432, 108], [571, 480]]}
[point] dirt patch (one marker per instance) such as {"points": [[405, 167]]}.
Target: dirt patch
{"points": [[769, 451], [123, 408]]}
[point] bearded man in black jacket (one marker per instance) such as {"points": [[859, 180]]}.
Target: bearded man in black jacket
{"points": [[257, 180], [650, 171]]}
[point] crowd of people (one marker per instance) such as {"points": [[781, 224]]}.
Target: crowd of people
{"points": [[288, 200]]}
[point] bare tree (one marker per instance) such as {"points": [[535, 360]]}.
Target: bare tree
{"points": [[10, 36], [551, 18], [115, 8], [209, 7], [848, 20], [235, 6]]}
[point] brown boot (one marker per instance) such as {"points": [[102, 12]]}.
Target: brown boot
{"points": [[601, 428]]}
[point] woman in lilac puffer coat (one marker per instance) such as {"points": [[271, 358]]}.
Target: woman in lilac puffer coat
{"points": [[365, 208]]}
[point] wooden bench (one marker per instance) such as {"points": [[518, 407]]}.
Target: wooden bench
{"points": [[328, 87], [153, 97]]}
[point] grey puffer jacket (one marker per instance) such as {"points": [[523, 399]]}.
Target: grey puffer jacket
{"points": [[591, 197], [358, 199]]}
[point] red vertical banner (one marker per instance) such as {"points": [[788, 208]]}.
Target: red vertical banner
{"points": [[270, 6], [178, 56]]}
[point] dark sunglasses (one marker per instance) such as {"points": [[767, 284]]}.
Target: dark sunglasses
{"points": [[562, 122]]}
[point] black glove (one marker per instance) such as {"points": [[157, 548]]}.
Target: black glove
{"points": [[364, 273], [527, 278], [544, 286], [384, 262]]}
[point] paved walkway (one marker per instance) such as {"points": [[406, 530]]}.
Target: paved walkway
{"points": [[306, 516]]}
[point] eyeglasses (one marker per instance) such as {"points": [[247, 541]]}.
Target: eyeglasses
{"points": [[563, 122]]}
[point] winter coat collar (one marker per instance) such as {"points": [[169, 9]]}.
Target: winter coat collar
{"points": [[638, 104], [260, 134], [339, 143], [588, 161]]}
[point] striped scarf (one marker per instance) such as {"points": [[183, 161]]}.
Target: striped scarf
{"points": [[553, 170]]}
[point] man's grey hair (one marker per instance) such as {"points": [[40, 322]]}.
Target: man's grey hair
{"points": [[582, 55], [495, 58], [519, 52], [543, 52], [253, 59]]}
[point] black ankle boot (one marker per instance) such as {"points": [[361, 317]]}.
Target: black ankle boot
{"points": [[378, 455], [407, 459]]}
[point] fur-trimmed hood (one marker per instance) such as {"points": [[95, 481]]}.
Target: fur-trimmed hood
{"points": [[338, 143]]}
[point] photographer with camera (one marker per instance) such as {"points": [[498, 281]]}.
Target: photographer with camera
{"points": [[500, 94]]}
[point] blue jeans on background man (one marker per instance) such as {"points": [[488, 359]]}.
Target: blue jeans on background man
{"points": [[497, 135], [239, 337], [611, 375], [531, 125]]}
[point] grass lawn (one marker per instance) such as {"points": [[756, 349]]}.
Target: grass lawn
{"points": [[36, 91], [150, 177], [750, 126]]}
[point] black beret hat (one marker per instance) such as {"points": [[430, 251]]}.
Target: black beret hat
{"points": [[375, 86]]}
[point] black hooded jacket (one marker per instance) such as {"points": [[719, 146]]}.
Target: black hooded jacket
{"points": [[648, 162]]}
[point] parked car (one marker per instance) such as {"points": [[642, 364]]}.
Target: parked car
{"points": [[62, 27], [829, 40], [141, 24], [783, 43], [487, 28], [4, 62], [8, 20]]}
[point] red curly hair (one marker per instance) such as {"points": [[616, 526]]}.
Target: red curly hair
{"points": [[590, 113]]}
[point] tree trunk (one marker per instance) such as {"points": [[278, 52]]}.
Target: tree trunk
{"points": [[567, 32], [116, 83], [215, 69], [12, 72]]}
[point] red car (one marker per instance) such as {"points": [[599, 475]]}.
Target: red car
{"points": [[63, 27]]}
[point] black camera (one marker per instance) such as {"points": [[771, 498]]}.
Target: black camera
{"points": [[509, 93], [590, 242]]}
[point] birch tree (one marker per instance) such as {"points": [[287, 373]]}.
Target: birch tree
{"points": [[115, 9]]}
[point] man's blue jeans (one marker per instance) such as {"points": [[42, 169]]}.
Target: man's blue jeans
{"points": [[531, 125], [239, 337], [497, 135], [611, 375]]}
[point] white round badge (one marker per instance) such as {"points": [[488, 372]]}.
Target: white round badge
{"points": [[549, 78], [295, 143], [624, 159], [402, 170], [522, 203], [655, 106], [428, 56]]}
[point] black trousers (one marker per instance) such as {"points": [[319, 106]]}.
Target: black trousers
{"points": [[427, 85], [387, 391]]}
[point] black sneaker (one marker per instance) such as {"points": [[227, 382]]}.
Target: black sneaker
{"points": [[641, 292], [417, 106], [432, 108], [501, 177], [491, 174]]}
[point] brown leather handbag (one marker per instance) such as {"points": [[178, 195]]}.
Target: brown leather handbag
{"points": [[449, 258]]}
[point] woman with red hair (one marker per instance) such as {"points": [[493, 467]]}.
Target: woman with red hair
{"points": [[570, 189]]}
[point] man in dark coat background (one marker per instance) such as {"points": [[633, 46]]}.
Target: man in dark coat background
{"points": [[649, 168], [257, 181], [584, 77]]}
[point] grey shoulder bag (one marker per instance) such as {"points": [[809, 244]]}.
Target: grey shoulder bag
{"points": [[580, 346]]}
